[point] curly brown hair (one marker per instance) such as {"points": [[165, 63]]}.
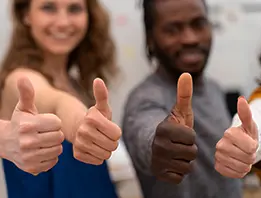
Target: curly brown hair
{"points": [[94, 56]]}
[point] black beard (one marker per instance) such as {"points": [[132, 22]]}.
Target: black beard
{"points": [[169, 65]]}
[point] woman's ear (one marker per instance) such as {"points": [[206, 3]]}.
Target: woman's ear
{"points": [[26, 19]]}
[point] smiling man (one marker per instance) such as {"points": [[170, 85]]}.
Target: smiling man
{"points": [[172, 146]]}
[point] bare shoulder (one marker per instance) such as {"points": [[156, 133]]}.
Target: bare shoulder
{"points": [[34, 76], [42, 88]]}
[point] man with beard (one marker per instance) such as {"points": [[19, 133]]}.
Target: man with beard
{"points": [[171, 146]]}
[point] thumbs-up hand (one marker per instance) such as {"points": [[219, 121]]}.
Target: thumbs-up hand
{"points": [[236, 151], [173, 147], [34, 140], [97, 136]]}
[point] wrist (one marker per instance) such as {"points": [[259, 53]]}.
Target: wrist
{"points": [[75, 129]]}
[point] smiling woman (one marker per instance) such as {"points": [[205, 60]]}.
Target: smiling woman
{"points": [[78, 34], [50, 39]]}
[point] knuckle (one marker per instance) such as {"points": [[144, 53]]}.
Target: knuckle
{"points": [[217, 155], [252, 158], [53, 163], [157, 143], [253, 147], [161, 128], [220, 145], [241, 175], [24, 159], [25, 127], [216, 167], [91, 119], [188, 167], [228, 133], [92, 110], [231, 133], [98, 162], [178, 180], [82, 131], [48, 168], [50, 165], [114, 146], [56, 119], [92, 149], [77, 154], [35, 173], [117, 133], [107, 155], [78, 144], [59, 150], [194, 151], [61, 137], [193, 136], [158, 149], [26, 143], [85, 134], [219, 168], [31, 170], [248, 169]]}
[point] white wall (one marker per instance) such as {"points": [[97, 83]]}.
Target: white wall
{"points": [[236, 46], [5, 30], [128, 34]]}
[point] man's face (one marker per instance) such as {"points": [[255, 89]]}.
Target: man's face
{"points": [[181, 36]]}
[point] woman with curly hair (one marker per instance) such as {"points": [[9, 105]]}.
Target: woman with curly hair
{"points": [[58, 48]]}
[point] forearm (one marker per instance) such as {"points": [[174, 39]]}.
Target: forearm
{"points": [[4, 126], [138, 132], [71, 111], [139, 148], [47, 99]]}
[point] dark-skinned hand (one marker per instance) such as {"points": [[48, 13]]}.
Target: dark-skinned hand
{"points": [[173, 147]]}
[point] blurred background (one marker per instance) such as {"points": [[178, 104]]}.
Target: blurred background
{"points": [[233, 64]]}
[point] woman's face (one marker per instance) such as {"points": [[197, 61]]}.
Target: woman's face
{"points": [[57, 26]]}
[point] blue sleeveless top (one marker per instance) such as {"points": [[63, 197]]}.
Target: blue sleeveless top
{"points": [[70, 178]]}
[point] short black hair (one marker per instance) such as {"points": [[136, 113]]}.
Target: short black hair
{"points": [[148, 19]]}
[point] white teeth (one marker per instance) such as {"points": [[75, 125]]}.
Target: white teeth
{"points": [[60, 36]]}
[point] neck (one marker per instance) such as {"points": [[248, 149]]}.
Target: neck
{"points": [[55, 64]]}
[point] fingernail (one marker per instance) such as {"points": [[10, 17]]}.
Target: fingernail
{"points": [[241, 97]]}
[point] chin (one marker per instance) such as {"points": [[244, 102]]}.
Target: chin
{"points": [[61, 51], [192, 67], [193, 70]]}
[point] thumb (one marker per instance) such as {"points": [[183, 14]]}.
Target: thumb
{"points": [[26, 96], [245, 116], [184, 98], [101, 96]]}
